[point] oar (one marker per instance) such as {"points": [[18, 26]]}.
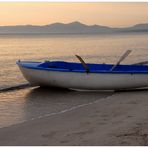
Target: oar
{"points": [[121, 59], [141, 63], [83, 63]]}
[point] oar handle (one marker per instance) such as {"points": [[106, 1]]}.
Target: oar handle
{"points": [[83, 64]]}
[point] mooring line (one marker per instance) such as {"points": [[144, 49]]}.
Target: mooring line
{"points": [[15, 87]]}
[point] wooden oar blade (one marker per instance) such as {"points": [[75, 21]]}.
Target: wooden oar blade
{"points": [[83, 63], [121, 59], [124, 56]]}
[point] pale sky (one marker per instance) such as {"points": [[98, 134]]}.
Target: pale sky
{"points": [[42, 13]]}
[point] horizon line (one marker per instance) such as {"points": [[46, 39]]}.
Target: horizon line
{"points": [[141, 23]]}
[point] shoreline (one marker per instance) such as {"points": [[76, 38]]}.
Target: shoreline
{"points": [[57, 113], [120, 119]]}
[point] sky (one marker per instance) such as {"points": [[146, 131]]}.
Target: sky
{"points": [[42, 13]]}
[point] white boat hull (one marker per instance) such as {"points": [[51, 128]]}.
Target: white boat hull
{"points": [[90, 81]]}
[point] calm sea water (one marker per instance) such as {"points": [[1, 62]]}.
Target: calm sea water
{"points": [[25, 104], [98, 49]]}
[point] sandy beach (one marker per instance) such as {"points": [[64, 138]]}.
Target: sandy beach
{"points": [[119, 119]]}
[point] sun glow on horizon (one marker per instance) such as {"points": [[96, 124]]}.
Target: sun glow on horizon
{"points": [[42, 13]]}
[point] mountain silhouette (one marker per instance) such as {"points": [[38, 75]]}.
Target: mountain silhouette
{"points": [[70, 28]]}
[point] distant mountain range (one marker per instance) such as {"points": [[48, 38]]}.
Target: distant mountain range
{"points": [[71, 28]]}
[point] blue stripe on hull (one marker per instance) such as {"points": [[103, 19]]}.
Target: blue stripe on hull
{"points": [[62, 66]]}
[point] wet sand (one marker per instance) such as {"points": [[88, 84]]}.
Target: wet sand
{"points": [[21, 105], [119, 119]]}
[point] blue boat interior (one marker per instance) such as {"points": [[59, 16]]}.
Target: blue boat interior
{"points": [[78, 67]]}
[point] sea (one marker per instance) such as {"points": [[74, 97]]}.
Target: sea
{"points": [[30, 103]]}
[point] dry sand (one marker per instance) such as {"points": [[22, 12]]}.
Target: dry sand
{"points": [[121, 119]]}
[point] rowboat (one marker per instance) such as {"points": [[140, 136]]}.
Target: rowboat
{"points": [[85, 76]]}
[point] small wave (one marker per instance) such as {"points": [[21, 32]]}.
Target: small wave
{"points": [[15, 87]]}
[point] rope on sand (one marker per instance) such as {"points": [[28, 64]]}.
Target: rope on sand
{"points": [[15, 87]]}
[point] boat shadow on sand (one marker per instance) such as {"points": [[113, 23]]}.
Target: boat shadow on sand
{"points": [[52, 94], [53, 97], [41, 101]]}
